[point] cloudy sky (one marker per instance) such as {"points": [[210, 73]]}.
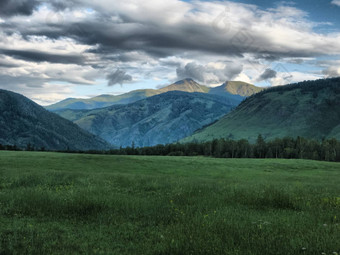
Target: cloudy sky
{"points": [[51, 50]]}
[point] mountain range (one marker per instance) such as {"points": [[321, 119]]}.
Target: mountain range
{"points": [[185, 111], [309, 109], [161, 119], [233, 91], [140, 117], [24, 122]]}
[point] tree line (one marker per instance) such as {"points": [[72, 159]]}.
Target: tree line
{"points": [[288, 148], [313, 87]]}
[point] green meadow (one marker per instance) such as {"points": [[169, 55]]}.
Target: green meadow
{"points": [[54, 203]]}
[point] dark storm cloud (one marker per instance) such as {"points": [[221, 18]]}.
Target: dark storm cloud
{"points": [[131, 34], [267, 74], [17, 7], [63, 4], [158, 42], [6, 64], [153, 40], [268, 57], [118, 77], [37, 56], [107, 38], [26, 7], [193, 71]]}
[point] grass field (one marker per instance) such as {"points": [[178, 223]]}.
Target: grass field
{"points": [[54, 203]]}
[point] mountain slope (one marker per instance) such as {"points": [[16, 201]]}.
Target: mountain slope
{"points": [[237, 88], [24, 122], [102, 100], [186, 85], [309, 109], [160, 119], [233, 91]]}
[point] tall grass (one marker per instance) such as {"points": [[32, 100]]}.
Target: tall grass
{"points": [[89, 204]]}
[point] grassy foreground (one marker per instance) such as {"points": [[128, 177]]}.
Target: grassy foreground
{"points": [[54, 203]]}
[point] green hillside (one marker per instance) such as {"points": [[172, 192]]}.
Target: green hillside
{"points": [[55, 203], [309, 109], [186, 85], [233, 91], [23, 122], [239, 88], [160, 119]]}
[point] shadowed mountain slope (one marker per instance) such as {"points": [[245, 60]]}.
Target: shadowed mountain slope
{"points": [[160, 119], [24, 122]]}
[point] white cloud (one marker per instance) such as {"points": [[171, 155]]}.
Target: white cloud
{"points": [[284, 78], [332, 71], [51, 93], [210, 74], [336, 2], [243, 77]]}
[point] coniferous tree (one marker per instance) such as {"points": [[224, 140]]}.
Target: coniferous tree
{"points": [[260, 147]]}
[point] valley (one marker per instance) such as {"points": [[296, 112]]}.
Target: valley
{"points": [[178, 127], [55, 203]]}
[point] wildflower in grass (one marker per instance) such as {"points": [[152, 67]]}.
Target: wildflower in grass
{"points": [[304, 248]]}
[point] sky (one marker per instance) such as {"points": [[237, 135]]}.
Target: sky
{"points": [[52, 50]]}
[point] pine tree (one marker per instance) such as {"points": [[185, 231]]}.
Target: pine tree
{"points": [[260, 147]]}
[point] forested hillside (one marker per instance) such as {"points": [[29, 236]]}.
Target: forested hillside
{"points": [[160, 119], [24, 123], [309, 109]]}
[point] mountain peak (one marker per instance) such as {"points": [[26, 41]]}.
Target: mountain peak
{"points": [[186, 85], [241, 88], [186, 80]]}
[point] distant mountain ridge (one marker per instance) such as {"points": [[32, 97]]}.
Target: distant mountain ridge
{"points": [[309, 109], [233, 91], [24, 122], [236, 88], [161, 119], [186, 85]]}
